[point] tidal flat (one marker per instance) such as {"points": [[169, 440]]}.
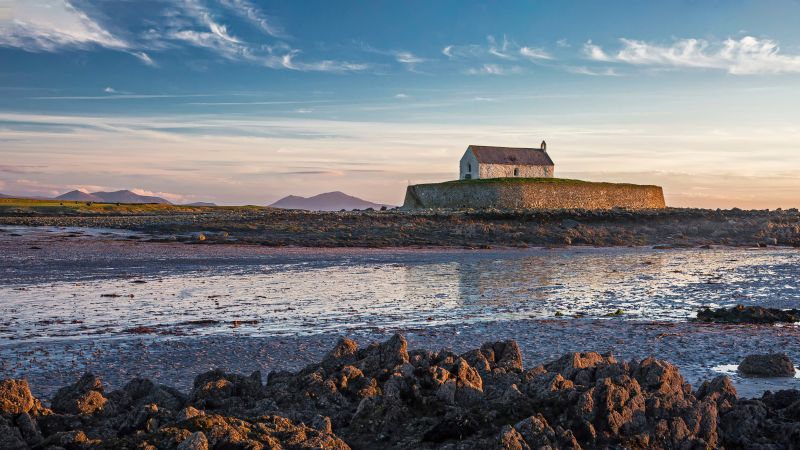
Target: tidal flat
{"points": [[78, 299]]}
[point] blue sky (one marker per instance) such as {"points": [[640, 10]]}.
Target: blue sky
{"points": [[245, 101]]}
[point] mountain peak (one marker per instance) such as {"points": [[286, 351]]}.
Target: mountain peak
{"points": [[121, 196]]}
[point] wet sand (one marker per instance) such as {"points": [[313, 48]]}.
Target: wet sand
{"points": [[698, 349]]}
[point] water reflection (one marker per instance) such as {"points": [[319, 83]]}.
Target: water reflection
{"points": [[313, 296]]}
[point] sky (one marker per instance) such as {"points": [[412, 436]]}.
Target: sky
{"points": [[246, 101]]}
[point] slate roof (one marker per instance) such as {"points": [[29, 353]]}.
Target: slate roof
{"points": [[511, 155]]}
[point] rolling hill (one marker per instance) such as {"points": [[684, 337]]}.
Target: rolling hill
{"points": [[329, 201]]}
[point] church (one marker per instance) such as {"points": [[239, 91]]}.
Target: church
{"points": [[481, 162]]}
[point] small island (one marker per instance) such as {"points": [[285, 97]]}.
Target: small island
{"points": [[522, 178]]}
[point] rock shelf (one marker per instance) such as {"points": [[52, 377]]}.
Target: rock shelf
{"points": [[384, 395]]}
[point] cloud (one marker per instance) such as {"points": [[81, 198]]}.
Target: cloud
{"points": [[145, 58], [401, 95], [54, 25], [563, 43], [110, 90], [495, 55], [20, 169], [249, 11], [534, 53], [404, 57], [408, 59], [448, 51], [174, 198], [214, 36], [49, 25], [602, 72], [503, 50], [287, 61], [746, 56], [493, 69], [595, 52]]}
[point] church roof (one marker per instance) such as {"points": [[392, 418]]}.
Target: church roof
{"points": [[511, 155]]}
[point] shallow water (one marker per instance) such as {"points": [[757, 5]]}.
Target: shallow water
{"points": [[311, 294]]}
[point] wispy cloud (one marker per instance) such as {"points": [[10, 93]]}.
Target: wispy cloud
{"points": [[493, 69], [534, 53], [408, 59], [145, 58], [503, 50], [249, 11], [448, 51], [496, 57], [745, 56], [48, 25], [53, 25], [174, 198], [595, 52], [597, 72]]}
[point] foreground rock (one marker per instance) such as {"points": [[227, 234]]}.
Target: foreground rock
{"points": [[387, 396], [748, 314], [771, 365]]}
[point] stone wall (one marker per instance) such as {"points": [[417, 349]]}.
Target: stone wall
{"points": [[533, 194], [507, 171]]}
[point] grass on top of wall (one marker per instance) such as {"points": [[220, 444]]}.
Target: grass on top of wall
{"points": [[522, 180]]}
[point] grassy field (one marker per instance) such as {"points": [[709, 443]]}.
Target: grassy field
{"points": [[24, 205]]}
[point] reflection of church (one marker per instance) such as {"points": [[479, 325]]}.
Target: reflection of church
{"points": [[492, 281]]}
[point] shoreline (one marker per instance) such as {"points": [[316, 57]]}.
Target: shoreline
{"points": [[433, 229], [699, 349]]}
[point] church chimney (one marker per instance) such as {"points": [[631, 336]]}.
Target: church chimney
{"points": [[544, 146]]}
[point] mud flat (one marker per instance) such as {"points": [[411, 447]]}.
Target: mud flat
{"points": [[387, 395]]}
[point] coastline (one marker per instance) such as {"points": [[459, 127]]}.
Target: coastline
{"points": [[432, 228]]}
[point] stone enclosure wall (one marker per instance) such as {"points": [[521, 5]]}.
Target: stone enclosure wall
{"points": [[521, 194]]}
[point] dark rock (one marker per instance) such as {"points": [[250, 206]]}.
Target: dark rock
{"points": [[83, 397], [196, 441], [385, 396], [10, 436], [770, 365], [217, 389], [748, 314]]}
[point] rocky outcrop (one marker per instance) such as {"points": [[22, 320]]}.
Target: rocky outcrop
{"points": [[770, 365], [748, 314], [387, 396], [83, 397]]}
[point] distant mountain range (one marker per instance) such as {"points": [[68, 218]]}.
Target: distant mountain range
{"points": [[329, 201], [123, 196]]}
